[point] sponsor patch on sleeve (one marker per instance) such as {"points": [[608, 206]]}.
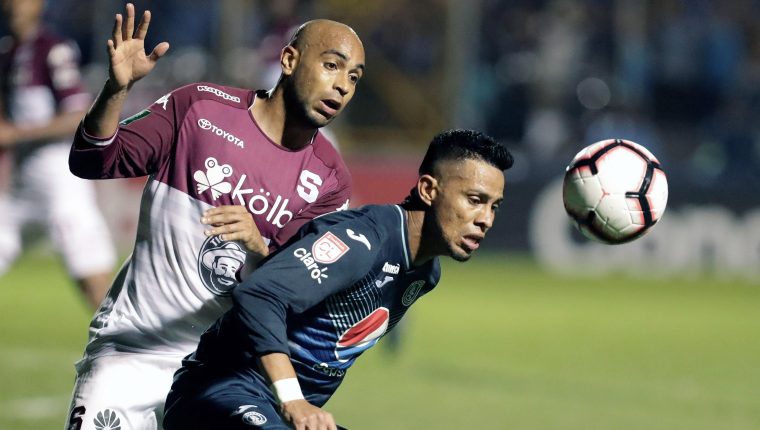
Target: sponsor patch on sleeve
{"points": [[139, 115]]}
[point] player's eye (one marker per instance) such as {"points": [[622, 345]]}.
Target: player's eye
{"points": [[354, 78], [474, 200], [331, 66]]}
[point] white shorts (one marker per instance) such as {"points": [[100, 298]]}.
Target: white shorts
{"points": [[45, 192], [130, 388]]}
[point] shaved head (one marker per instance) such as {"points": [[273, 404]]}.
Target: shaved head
{"points": [[321, 66], [312, 31]]}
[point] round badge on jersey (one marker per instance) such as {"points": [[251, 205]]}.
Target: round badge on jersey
{"points": [[411, 293], [218, 264], [253, 418]]}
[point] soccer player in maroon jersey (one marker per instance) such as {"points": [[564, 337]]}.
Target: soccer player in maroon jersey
{"points": [[232, 173], [42, 99]]}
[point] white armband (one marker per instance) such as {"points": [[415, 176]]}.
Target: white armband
{"points": [[287, 389]]}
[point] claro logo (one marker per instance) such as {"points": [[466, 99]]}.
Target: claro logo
{"points": [[205, 124]]}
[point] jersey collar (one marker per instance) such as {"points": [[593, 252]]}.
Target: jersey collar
{"points": [[403, 230]]}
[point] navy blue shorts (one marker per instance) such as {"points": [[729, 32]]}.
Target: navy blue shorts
{"points": [[228, 400]]}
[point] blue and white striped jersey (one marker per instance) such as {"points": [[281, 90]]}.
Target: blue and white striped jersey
{"points": [[328, 295]]}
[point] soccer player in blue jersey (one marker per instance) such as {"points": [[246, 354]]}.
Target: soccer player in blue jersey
{"points": [[341, 283]]}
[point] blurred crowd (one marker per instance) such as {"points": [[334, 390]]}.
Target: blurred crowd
{"points": [[681, 77]]}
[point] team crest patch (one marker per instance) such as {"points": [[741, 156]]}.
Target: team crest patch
{"points": [[254, 418], [249, 417], [411, 293], [218, 265], [107, 420], [328, 249]]}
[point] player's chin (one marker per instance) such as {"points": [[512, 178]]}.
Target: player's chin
{"points": [[460, 253], [320, 119]]}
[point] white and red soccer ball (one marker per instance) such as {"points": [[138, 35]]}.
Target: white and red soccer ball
{"points": [[615, 190]]}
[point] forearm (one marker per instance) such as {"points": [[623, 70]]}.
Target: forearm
{"points": [[61, 126], [102, 119], [282, 376]]}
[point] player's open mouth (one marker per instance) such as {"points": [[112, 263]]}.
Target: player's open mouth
{"points": [[472, 242], [330, 107]]}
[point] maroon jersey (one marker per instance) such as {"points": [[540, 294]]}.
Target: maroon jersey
{"points": [[200, 147], [39, 78]]}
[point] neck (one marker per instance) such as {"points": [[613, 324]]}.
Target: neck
{"points": [[272, 116], [415, 226], [26, 33]]}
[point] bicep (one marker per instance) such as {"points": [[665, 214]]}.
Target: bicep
{"points": [[293, 280], [314, 267]]}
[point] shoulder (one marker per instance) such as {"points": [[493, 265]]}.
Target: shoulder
{"points": [[6, 45], [324, 149], [47, 37], [57, 50], [198, 91], [379, 221], [381, 214]]}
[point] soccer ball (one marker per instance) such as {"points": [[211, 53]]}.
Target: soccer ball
{"points": [[614, 190]]}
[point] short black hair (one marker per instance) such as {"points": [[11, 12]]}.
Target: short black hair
{"points": [[461, 144]]}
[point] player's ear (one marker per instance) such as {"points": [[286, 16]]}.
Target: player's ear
{"points": [[289, 59], [427, 189]]}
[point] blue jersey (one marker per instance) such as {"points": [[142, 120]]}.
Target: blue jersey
{"points": [[328, 295]]}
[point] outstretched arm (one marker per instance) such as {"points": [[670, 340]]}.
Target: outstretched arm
{"points": [[60, 126], [127, 65], [301, 414]]}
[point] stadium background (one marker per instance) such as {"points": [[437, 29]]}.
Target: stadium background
{"points": [[543, 330]]}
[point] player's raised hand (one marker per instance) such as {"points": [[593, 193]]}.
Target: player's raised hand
{"points": [[126, 50], [302, 415], [234, 222]]}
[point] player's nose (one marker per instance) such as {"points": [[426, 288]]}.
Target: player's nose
{"points": [[485, 218], [342, 84]]}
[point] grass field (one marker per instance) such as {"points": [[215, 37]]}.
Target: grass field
{"points": [[499, 345]]}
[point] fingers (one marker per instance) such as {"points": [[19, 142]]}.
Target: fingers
{"points": [[304, 416], [319, 421], [227, 228], [123, 31], [116, 32], [142, 28], [159, 51], [129, 28], [233, 221], [225, 214], [111, 48], [226, 234]]}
